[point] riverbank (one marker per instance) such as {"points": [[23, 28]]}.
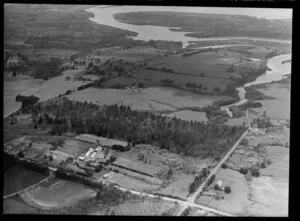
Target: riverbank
{"points": [[277, 72]]}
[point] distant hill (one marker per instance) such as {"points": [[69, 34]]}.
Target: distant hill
{"points": [[61, 26], [212, 25]]}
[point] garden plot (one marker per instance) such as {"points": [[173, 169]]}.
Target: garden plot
{"points": [[143, 208]]}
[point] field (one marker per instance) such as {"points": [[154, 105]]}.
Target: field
{"points": [[59, 194], [133, 54], [149, 169], [25, 85], [14, 205], [18, 178], [282, 95], [189, 115], [131, 183], [75, 147], [237, 201], [236, 121], [153, 78], [179, 187], [15, 86], [151, 208], [155, 99], [265, 195]]}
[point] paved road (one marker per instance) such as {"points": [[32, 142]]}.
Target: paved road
{"points": [[194, 196]]}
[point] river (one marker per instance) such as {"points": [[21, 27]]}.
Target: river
{"points": [[105, 15], [277, 72]]}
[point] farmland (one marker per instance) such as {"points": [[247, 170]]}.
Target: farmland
{"points": [[262, 195], [57, 194], [126, 118], [147, 208], [155, 98], [18, 178]]}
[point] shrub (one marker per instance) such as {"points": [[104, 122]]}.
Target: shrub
{"points": [[227, 189], [255, 172], [243, 171], [224, 166], [217, 187], [245, 142], [21, 154], [112, 158]]}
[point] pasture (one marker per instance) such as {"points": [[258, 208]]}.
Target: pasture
{"points": [[59, 194], [148, 208], [154, 99]]}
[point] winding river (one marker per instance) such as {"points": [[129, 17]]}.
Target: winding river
{"points": [[277, 72], [105, 15]]}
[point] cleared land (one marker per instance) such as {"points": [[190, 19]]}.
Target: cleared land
{"points": [[151, 208], [282, 95], [26, 85], [266, 195], [58, 194], [189, 115], [146, 99], [18, 178]]}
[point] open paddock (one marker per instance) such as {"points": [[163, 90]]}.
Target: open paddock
{"points": [[59, 194], [237, 201], [18, 178], [103, 141], [138, 176], [75, 147], [179, 187], [137, 53], [130, 183], [148, 208], [188, 115], [149, 169], [196, 64], [153, 78], [163, 98]]}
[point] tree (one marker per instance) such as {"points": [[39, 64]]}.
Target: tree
{"points": [[217, 89], [21, 154], [227, 189], [217, 187], [255, 172], [244, 142], [224, 166], [40, 121], [243, 171], [112, 158]]}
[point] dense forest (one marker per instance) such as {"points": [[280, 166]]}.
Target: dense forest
{"points": [[121, 122]]}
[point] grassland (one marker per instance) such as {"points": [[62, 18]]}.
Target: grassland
{"points": [[148, 208], [57, 194], [265, 195], [189, 115], [18, 178], [156, 99]]}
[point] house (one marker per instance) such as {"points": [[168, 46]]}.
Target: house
{"points": [[219, 183]]}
